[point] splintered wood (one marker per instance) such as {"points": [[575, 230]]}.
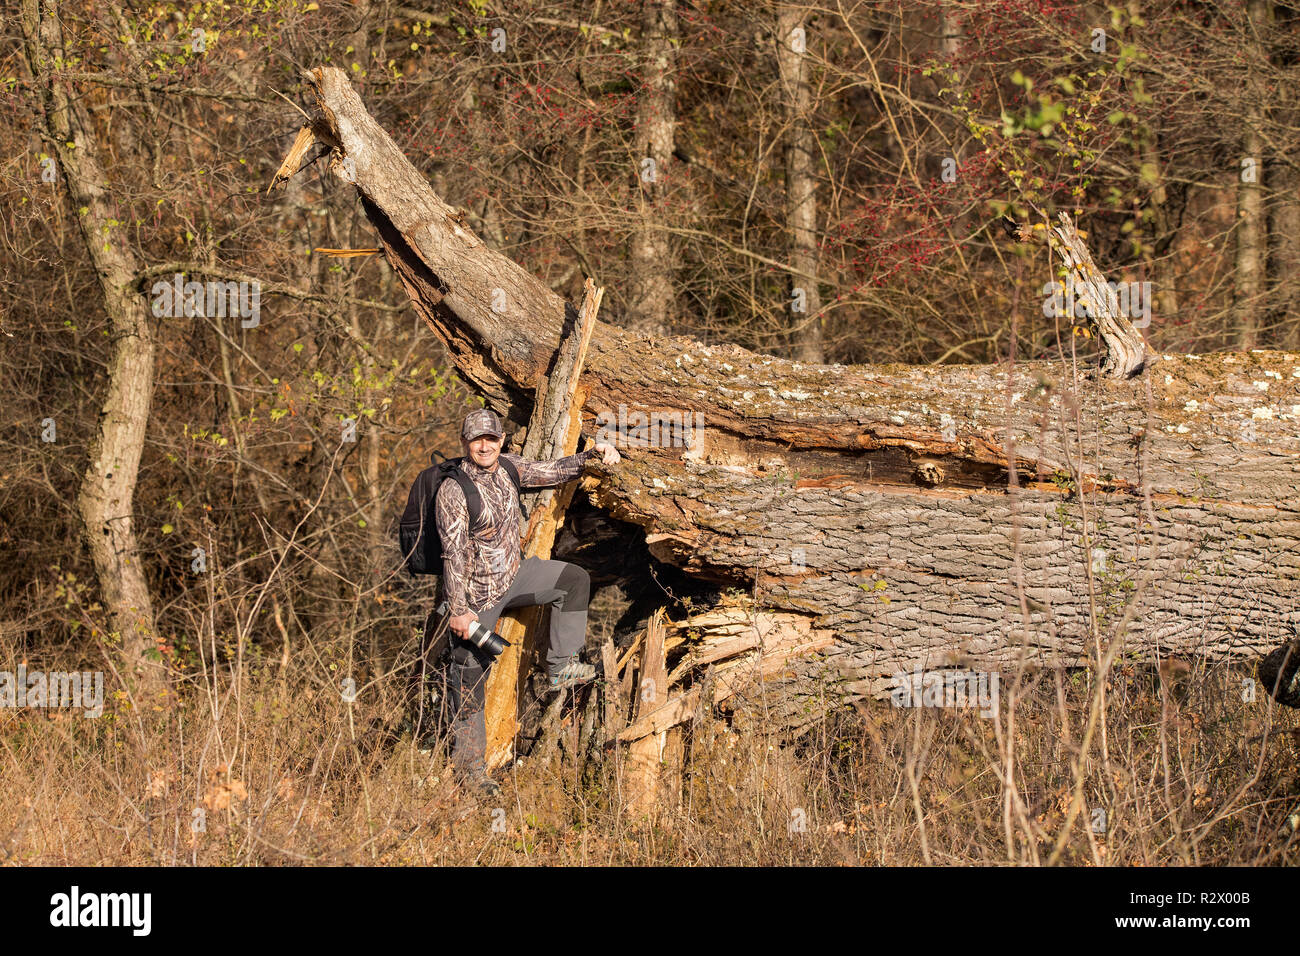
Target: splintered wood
{"points": [[646, 753], [730, 650]]}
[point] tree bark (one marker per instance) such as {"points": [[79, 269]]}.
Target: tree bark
{"points": [[1250, 249], [950, 33], [879, 501], [106, 498]]}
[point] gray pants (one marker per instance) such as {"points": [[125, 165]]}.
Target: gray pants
{"points": [[567, 588]]}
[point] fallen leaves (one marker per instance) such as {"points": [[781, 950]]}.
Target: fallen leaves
{"points": [[221, 793], [159, 780]]}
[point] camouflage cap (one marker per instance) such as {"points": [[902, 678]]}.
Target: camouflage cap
{"points": [[481, 421]]}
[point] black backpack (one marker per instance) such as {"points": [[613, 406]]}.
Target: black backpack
{"points": [[417, 531]]}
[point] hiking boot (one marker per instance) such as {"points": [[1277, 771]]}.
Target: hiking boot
{"points": [[479, 782], [570, 675], [486, 786]]}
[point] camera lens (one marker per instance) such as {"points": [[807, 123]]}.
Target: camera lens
{"points": [[488, 641]]}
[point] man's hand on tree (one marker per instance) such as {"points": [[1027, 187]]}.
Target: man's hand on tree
{"points": [[460, 624], [609, 454]]}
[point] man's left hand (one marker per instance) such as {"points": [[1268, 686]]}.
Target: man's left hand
{"points": [[609, 454]]}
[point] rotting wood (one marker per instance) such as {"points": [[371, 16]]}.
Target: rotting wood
{"points": [[733, 630], [729, 681], [612, 718]]}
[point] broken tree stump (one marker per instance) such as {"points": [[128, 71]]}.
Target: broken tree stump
{"points": [[1123, 352], [553, 433], [611, 715]]}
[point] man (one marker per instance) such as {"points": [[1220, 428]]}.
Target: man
{"points": [[483, 577]]}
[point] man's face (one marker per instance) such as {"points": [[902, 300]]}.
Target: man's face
{"points": [[483, 451]]}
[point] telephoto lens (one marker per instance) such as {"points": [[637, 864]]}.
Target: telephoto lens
{"points": [[490, 642]]}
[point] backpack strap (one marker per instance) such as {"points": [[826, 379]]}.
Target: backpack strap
{"points": [[473, 501], [513, 472]]}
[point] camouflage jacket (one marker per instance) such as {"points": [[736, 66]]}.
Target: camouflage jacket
{"points": [[478, 568]]}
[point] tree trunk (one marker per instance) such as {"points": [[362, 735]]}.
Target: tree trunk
{"points": [[800, 184], [1251, 239], [107, 493], [1250, 248], [1164, 230], [1284, 249], [950, 33], [650, 294], [931, 516]]}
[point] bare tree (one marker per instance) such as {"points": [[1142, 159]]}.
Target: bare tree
{"points": [[651, 294], [107, 497], [800, 182], [1251, 232]]}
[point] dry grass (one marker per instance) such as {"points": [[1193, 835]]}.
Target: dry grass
{"points": [[280, 769]]}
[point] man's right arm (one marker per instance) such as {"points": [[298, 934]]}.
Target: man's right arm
{"points": [[453, 528]]}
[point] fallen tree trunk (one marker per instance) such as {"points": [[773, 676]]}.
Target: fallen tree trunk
{"points": [[977, 516]]}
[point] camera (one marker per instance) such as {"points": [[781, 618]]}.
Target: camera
{"points": [[489, 642]]}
